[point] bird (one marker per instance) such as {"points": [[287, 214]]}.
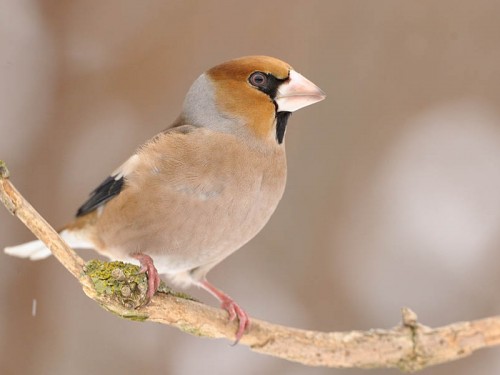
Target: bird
{"points": [[201, 188]]}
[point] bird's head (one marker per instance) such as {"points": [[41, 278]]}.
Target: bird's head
{"points": [[251, 95]]}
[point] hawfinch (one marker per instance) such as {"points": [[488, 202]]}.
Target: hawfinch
{"points": [[199, 190]]}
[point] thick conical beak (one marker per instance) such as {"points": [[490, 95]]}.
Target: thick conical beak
{"points": [[297, 92]]}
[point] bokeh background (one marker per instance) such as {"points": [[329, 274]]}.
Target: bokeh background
{"points": [[393, 196]]}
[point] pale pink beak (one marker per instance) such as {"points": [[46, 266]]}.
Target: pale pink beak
{"points": [[297, 93]]}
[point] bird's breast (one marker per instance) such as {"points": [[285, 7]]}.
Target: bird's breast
{"points": [[195, 209]]}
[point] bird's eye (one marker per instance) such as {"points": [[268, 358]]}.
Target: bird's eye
{"points": [[258, 79]]}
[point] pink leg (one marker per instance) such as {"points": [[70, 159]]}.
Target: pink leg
{"points": [[148, 266], [233, 309]]}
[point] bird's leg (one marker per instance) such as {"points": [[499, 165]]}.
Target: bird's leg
{"points": [[228, 304], [148, 266]]}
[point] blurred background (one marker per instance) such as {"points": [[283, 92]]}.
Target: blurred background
{"points": [[393, 195]]}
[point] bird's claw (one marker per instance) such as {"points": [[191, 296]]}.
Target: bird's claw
{"points": [[232, 308], [148, 267], [235, 311]]}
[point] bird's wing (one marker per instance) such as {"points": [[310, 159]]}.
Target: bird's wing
{"points": [[109, 188], [114, 184]]}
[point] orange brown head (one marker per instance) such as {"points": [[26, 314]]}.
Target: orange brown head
{"points": [[250, 95]]}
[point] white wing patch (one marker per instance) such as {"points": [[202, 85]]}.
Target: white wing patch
{"points": [[126, 168]]}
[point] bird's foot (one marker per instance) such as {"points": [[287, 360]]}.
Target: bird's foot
{"points": [[149, 268], [232, 308]]}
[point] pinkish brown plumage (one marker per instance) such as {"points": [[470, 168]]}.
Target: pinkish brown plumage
{"points": [[198, 191]]}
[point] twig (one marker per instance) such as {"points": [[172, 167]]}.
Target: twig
{"points": [[409, 346]]}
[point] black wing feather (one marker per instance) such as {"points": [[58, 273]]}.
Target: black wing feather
{"points": [[104, 192]]}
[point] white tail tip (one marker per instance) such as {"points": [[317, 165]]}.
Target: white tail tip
{"points": [[36, 250]]}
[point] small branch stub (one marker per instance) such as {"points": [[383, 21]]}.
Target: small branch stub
{"points": [[409, 317], [4, 172], [118, 280]]}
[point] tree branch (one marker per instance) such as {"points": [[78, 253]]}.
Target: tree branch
{"points": [[409, 346]]}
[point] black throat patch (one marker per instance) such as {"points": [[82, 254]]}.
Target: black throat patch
{"points": [[281, 121]]}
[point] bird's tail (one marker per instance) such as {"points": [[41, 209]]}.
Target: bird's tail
{"points": [[36, 250]]}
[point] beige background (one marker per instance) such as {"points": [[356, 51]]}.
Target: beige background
{"points": [[393, 197]]}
